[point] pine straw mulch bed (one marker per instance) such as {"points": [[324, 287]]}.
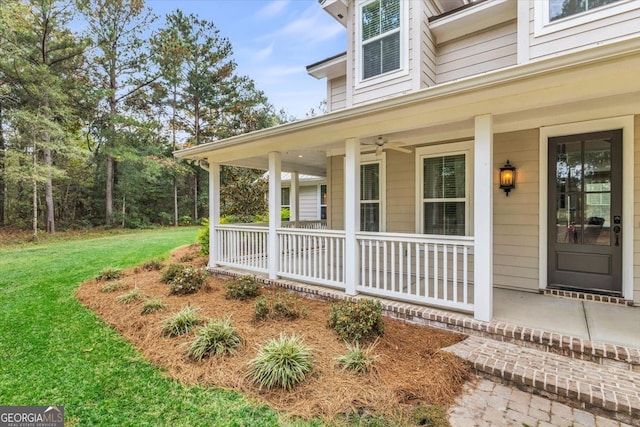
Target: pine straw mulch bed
{"points": [[410, 372]]}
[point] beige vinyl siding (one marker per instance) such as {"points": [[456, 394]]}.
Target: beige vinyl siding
{"points": [[335, 206], [478, 53], [636, 212], [516, 222], [401, 196], [308, 199], [337, 94], [428, 43], [589, 34]]}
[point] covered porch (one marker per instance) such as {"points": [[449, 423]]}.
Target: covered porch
{"points": [[503, 241]]}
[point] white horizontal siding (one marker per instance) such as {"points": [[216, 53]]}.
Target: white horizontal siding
{"points": [[337, 94], [589, 34], [308, 199], [478, 53]]}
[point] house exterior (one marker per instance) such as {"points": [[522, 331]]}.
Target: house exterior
{"points": [[429, 101]]}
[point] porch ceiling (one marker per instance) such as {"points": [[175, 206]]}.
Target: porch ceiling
{"points": [[536, 94]]}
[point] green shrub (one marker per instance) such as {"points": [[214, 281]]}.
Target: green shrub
{"points": [[357, 320], [171, 271], [132, 296], [261, 307], [243, 288], [217, 337], [185, 220], [358, 359], [152, 265], [282, 305], [109, 273], [115, 285], [203, 237], [181, 322], [151, 306], [281, 362], [183, 280]]}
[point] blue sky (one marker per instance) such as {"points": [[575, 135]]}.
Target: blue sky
{"points": [[273, 41]]}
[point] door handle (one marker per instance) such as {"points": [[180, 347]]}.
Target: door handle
{"points": [[616, 230]]}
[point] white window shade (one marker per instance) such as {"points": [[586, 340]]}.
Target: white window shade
{"points": [[380, 30]]}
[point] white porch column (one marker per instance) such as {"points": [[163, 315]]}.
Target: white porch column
{"points": [[483, 218], [214, 211], [352, 214], [294, 197], [275, 221]]}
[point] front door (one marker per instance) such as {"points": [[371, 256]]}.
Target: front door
{"points": [[585, 212]]}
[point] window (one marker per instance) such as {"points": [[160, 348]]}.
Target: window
{"points": [[444, 173], [562, 8], [558, 15], [370, 206], [380, 37], [323, 201], [285, 203]]}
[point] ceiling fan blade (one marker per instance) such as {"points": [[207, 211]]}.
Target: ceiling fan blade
{"points": [[397, 148]]}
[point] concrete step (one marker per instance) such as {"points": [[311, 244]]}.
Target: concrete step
{"points": [[602, 389]]}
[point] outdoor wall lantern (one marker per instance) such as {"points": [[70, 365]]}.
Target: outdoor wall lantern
{"points": [[507, 178]]}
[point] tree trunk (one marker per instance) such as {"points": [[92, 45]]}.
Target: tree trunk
{"points": [[173, 145], [35, 194], [48, 193], [109, 191], [2, 169], [196, 118], [195, 197]]}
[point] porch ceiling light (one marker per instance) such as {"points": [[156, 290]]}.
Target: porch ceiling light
{"points": [[507, 178]]}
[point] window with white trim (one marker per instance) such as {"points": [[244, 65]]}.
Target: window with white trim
{"points": [[323, 201], [372, 193], [444, 199], [559, 9], [285, 201], [557, 15], [380, 37]]}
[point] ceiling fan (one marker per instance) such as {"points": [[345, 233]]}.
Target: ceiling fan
{"points": [[381, 144]]}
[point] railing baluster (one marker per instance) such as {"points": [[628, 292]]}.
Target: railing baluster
{"points": [[455, 273], [445, 272], [435, 271]]}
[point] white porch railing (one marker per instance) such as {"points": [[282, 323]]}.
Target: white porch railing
{"points": [[430, 270], [242, 246], [312, 255], [434, 270], [319, 224]]}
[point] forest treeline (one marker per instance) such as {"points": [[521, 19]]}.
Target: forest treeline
{"points": [[93, 103]]}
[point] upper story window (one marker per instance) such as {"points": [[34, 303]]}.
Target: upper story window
{"points": [[562, 8], [552, 16], [380, 37]]}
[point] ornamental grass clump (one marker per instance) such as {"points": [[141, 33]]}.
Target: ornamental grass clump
{"points": [[132, 296], [151, 306], [358, 359], [243, 288], [281, 362], [115, 285], [181, 322], [218, 337], [357, 320], [109, 273]]}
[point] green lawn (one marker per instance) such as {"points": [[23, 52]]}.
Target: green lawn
{"points": [[53, 351]]}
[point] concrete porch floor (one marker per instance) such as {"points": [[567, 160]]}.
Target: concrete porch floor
{"points": [[594, 321]]}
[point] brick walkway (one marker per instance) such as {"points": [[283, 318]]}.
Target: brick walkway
{"points": [[485, 403]]}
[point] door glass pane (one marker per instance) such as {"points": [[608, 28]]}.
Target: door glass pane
{"points": [[597, 185], [444, 218], [370, 216], [583, 192]]}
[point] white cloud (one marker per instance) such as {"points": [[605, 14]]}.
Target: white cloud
{"points": [[264, 54], [311, 26], [272, 9]]}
